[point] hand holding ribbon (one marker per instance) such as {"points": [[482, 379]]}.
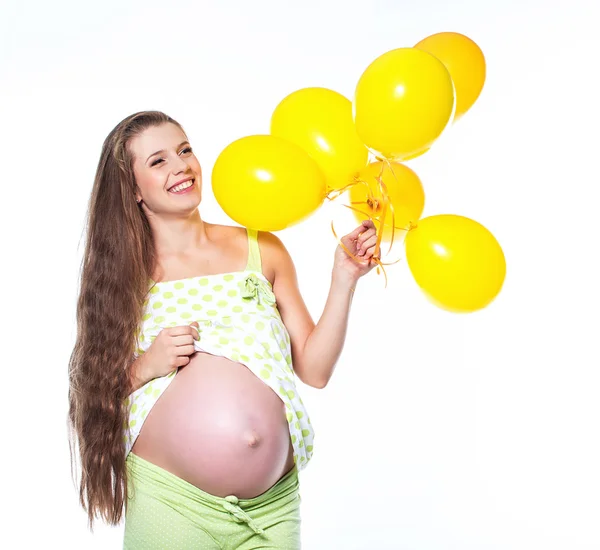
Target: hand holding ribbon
{"points": [[356, 254]]}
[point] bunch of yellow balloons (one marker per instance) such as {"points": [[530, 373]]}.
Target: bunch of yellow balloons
{"points": [[322, 145]]}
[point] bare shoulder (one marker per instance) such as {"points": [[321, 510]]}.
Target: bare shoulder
{"points": [[275, 257], [225, 233], [271, 243], [229, 244]]}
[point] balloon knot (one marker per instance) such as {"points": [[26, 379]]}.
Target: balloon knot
{"points": [[373, 204]]}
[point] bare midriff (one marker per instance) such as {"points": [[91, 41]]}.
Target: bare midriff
{"points": [[219, 427]]}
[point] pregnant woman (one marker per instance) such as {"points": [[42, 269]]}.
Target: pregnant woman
{"points": [[182, 396]]}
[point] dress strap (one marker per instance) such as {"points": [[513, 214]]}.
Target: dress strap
{"points": [[254, 263]]}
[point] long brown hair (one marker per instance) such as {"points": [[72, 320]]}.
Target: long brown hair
{"points": [[117, 265]]}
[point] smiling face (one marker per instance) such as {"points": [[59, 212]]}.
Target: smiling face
{"points": [[167, 173]]}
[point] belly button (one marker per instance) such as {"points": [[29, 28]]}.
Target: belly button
{"points": [[252, 439]]}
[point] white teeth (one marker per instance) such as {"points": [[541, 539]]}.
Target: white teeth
{"points": [[182, 186]]}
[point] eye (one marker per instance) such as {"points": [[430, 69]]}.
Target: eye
{"points": [[187, 150], [155, 162]]}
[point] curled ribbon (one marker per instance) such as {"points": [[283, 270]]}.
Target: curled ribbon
{"points": [[381, 204], [254, 287]]}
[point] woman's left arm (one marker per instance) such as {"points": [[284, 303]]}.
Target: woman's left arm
{"points": [[316, 348]]}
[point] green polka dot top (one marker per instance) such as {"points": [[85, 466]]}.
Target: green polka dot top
{"points": [[238, 319]]}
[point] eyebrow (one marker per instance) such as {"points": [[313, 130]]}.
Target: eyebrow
{"points": [[162, 150]]}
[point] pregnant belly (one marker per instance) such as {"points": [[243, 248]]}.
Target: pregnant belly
{"points": [[219, 427]]}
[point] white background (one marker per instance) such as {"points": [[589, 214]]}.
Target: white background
{"points": [[470, 432]]}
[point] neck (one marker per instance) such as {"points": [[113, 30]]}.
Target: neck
{"points": [[178, 235]]}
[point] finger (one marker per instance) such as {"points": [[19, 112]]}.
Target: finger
{"points": [[360, 229], [182, 330], [182, 361], [196, 328], [370, 242], [185, 350], [184, 340], [365, 236], [178, 330], [368, 224], [369, 253]]}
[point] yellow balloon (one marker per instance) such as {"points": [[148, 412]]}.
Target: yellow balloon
{"points": [[267, 183], [403, 102], [464, 60], [415, 155], [320, 121], [456, 261], [405, 192]]}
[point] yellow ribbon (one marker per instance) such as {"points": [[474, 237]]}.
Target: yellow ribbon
{"points": [[383, 204]]}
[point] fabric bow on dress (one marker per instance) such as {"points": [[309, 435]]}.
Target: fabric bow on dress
{"points": [[254, 287]]}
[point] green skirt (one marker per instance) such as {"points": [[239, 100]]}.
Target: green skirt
{"points": [[165, 512]]}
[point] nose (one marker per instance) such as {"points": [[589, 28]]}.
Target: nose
{"points": [[179, 165]]}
